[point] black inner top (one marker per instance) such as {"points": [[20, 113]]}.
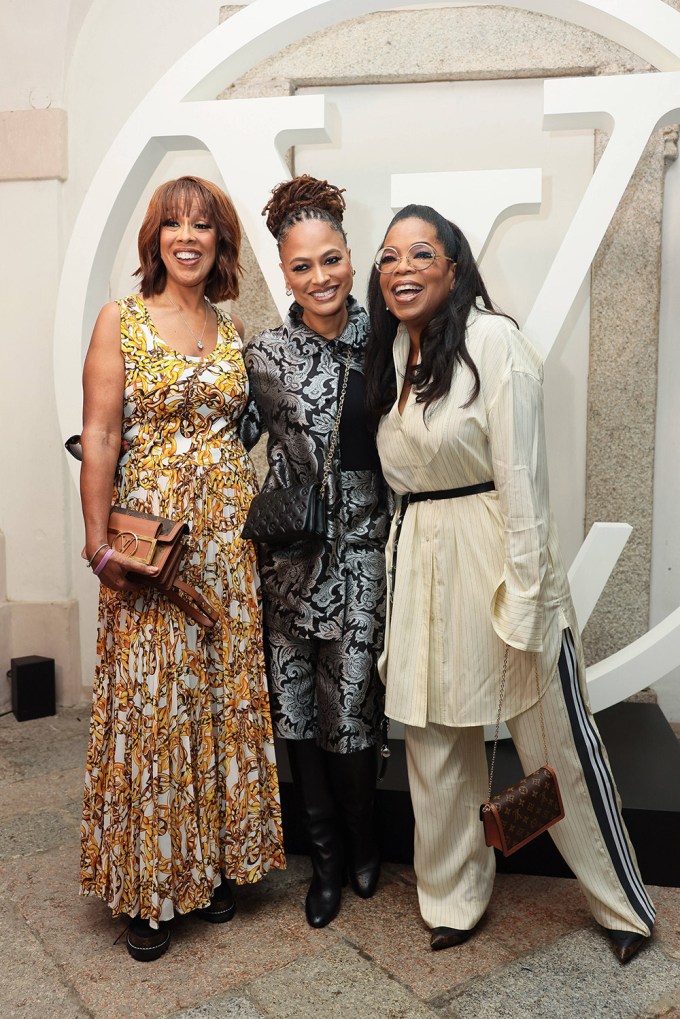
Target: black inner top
{"points": [[358, 451]]}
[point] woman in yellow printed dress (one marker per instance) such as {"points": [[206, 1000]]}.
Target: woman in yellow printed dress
{"points": [[181, 790]]}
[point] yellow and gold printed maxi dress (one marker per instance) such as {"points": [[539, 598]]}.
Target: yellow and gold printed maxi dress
{"points": [[180, 780]]}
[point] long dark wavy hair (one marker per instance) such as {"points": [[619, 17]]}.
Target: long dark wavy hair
{"points": [[442, 342]]}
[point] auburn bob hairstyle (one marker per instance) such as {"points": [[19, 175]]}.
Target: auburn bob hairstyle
{"points": [[172, 199]]}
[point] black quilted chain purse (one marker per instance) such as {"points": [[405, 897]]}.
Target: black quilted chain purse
{"points": [[523, 811], [284, 515]]}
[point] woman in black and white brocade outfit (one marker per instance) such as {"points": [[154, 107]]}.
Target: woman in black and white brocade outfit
{"points": [[324, 602]]}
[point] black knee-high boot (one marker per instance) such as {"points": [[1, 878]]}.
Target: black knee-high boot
{"points": [[321, 822], [353, 777]]}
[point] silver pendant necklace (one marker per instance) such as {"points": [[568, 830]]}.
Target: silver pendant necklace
{"points": [[198, 340]]}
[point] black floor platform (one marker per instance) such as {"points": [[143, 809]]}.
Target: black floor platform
{"points": [[645, 759]]}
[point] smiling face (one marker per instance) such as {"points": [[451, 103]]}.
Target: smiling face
{"points": [[317, 267], [414, 296], [188, 246]]}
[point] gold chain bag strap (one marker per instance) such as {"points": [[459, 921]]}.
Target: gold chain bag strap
{"points": [[523, 811], [159, 541], [284, 515]]}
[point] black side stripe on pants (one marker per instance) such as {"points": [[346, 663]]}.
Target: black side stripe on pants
{"points": [[600, 785]]}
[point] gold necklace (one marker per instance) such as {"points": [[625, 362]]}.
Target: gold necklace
{"points": [[198, 340]]}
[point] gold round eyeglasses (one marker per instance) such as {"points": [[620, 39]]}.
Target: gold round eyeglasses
{"points": [[420, 256]]}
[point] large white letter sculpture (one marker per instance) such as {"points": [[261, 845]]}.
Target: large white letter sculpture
{"points": [[180, 112]]}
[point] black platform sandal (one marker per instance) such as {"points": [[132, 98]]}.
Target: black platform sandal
{"points": [[144, 943], [222, 906]]}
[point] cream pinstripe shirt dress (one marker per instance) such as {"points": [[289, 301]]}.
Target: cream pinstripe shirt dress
{"points": [[479, 572]]}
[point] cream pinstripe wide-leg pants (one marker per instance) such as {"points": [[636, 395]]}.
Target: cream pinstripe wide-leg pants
{"points": [[448, 777]]}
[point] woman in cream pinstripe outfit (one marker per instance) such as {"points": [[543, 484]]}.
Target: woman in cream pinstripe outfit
{"points": [[475, 568]]}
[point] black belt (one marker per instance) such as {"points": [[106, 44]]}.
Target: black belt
{"points": [[443, 493], [450, 493]]}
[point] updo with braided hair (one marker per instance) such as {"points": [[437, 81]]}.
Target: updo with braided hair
{"points": [[301, 198]]}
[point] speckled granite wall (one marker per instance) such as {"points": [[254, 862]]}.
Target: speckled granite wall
{"points": [[455, 44], [625, 290], [483, 43]]}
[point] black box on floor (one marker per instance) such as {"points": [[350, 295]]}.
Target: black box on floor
{"points": [[33, 691]]}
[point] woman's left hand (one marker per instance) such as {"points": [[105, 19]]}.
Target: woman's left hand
{"points": [[116, 573]]}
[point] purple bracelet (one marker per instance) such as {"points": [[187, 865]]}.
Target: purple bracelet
{"points": [[102, 562]]}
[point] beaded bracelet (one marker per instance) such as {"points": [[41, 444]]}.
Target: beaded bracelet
{"points": [[96, 553], [102, 562]]}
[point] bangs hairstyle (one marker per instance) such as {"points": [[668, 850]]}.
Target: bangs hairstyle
{"points": [[173, 199]]}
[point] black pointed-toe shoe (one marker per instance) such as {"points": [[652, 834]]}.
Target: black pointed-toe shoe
{"points": [[447, 937], [625, 943]]}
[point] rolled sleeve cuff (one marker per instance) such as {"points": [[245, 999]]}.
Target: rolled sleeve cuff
{"points": [[518, 620]]}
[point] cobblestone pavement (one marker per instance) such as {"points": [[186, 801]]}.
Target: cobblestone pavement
{"points": [[537, 955]]}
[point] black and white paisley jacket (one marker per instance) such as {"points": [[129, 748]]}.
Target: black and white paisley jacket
{"points": [[314, 589]]}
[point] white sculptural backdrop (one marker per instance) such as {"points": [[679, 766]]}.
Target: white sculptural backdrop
{"points": [[179, 113]]}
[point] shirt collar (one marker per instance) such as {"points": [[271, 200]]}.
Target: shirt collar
{"points": [[305, 341]]}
